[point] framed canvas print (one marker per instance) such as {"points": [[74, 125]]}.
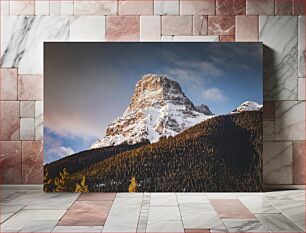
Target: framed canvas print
{"points": [[153, 117]]}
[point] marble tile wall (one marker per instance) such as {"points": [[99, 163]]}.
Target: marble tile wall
{"points": [[26, 24]]}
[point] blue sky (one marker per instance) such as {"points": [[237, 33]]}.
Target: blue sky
{"points": [[87, 85]]}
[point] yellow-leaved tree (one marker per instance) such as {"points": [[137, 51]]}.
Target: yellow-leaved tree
{"points": [[82, 188], [133, 185], [47, 181], [61, 182]]}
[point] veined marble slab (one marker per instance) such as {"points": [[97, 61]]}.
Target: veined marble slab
{"points": [[167, 213], [242, 225], [87, 28], [294, 210], [168, 199], [166, 7], [23, 217], [165, 226], [290, 120], [39, 226], [192, 198], [5, 7], [124, 214], [22, 40], [278, 223], [40, 200], [257, 205], [301, 46], [8, 210], [293, 195], [75, 229], [205, 217], [279, 36], [277, 163], [42, 7]]}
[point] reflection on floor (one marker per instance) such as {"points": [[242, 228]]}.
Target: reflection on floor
{"points": [[35, 211]]}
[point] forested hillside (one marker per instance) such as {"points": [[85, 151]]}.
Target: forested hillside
{"points": [[83, 160], [219, 154]]}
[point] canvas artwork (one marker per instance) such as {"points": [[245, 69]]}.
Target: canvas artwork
{"points": [[153, 117]]}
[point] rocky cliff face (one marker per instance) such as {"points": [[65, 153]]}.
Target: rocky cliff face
{"points": [[158, 108]]}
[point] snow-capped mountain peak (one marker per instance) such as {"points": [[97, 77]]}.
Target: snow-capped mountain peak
{"points": [[158, 108], [248, 106]]}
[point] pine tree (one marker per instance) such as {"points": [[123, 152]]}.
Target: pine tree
{"points": [[133, 185], [61, 182], [82, 188], [47, 181]]}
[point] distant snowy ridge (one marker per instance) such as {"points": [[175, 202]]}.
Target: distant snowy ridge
{"points": [[248, 106], [158, 108]]}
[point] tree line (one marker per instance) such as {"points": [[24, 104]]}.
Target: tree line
{"points": [[219, 154]]}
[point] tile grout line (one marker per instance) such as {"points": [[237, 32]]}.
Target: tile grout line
{"points": [[144, 198], [180, 211]]}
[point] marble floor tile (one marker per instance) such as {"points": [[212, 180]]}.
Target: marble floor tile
{"points": [[220, 195], [218, 227], [122, 220], [134, 212], [90, 213], [128, 201], [167, 199], [129, 195], [243, 225], [231, 208], [41, 200], [6, 193], [6, 211], [39, 226], [199, 216], [85, 229], [164, 213], [192, 198], [297, 195], [11, 197], [294, 210], [189, 208], [124, 214], [257, 194], [23, 217], [278, 223], [165, 226], [97, 197], [257, 205]]}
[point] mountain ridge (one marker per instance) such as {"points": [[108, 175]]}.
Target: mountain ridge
{"points": [[159, 108]]}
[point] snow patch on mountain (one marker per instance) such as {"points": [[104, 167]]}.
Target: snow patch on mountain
{"points": [[158, 108], [248, 106]]}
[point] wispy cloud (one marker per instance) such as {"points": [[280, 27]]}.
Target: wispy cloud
{"points": [[203, 67], [54, 149], [214, 94], [61, 151], [72, 126]]}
